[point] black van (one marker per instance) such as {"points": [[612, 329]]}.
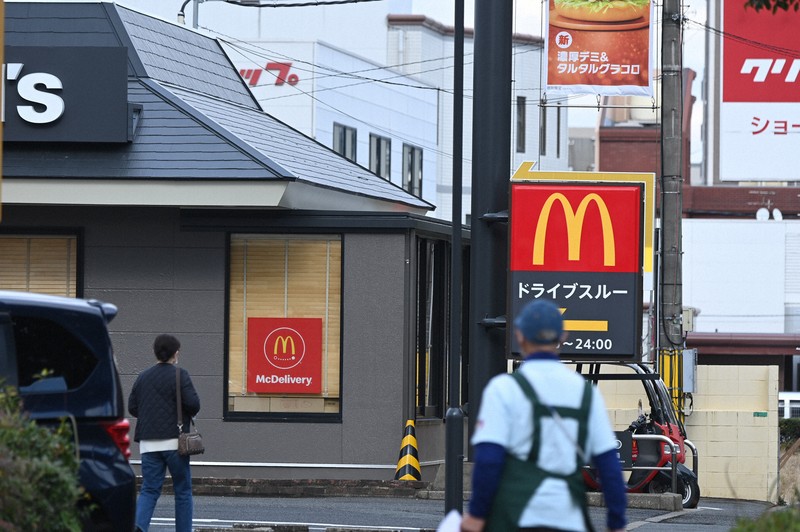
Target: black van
{"points": [[67, 341]]}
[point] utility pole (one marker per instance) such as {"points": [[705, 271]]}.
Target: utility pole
{"points": [[454, 431], [491, 170], [670, 327]]}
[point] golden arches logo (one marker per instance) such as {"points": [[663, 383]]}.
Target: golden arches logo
{"points": [[574, 220], [285, 342]]}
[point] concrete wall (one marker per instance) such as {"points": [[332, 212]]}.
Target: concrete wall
{"points": [[737, 447], [165, 279]]}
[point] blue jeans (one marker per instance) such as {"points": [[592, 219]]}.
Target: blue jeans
{"points": [[154, 466]]}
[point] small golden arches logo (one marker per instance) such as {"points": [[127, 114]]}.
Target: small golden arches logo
{"points": [[284, 348]]}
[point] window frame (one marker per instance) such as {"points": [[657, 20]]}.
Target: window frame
{"points": [[229, 415], [432, 344], [412, 180], [558, 130], [55, 232], [341, 135], [521, 123], [543, 131], [376, 154]]}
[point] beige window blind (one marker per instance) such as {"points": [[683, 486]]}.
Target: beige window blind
{"points": [[285, 277], [40, 264]]}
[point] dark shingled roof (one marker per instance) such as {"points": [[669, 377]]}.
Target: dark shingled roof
{"points": [[198, 121]]}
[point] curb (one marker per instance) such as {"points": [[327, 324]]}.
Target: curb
{"points": [[248, 487], [404, 489], [238, 527]]}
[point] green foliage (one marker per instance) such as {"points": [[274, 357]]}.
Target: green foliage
{"points": [[773, 5], [789, 429], [39, 488], [786, 519]]}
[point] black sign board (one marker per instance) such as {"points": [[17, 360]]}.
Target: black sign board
{"points": [[65, 94]]}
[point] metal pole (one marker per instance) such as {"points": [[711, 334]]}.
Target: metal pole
{"points": [[491, 170], [454, 434], [195, 12], [670, 326]]}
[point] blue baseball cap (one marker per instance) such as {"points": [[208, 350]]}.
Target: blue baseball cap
{"points": [[540, 322]]}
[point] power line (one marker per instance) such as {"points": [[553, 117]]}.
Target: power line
{"points": [[744, 40], [432, 148], [310, 3], [339, 73]]}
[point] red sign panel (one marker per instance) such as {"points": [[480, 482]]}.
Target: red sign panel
{"points": [[760, 59], [284, 355], [579, 245], [575, 229]]}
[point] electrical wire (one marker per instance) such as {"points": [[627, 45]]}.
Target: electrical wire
{"points": [[744, 40], [310, 3], [253, 50], [337, 73], [379, 128]]}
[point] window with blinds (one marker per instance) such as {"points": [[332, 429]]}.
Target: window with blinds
{"points": [[40, 264], [284, 283]]}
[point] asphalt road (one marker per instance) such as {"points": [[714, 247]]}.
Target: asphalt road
{"points": [[712, 515]]}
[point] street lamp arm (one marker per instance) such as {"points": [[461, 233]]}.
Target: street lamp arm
{"points": [[181, 14]]}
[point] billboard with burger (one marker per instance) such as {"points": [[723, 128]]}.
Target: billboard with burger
{"points": [[602, 10], [599, 47]]}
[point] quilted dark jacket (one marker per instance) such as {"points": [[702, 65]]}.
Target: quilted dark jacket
{"points": [[153, 402]]}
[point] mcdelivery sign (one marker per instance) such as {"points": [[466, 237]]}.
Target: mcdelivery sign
{"points": [[284, 355], [580, 245], [65, 94]]}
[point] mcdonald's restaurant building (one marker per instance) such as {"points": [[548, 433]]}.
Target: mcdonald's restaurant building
{"points": [[309, 295]]}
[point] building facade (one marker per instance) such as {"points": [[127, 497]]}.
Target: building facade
{"points": [[298, 282], [379, 65], [373, 115]]}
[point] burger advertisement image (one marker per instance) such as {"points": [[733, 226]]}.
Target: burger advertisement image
{"points": [[599, 47], [603, 10]]}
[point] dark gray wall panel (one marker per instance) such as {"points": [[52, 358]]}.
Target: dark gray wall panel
{"points": [[373, 347], [186, 297]]}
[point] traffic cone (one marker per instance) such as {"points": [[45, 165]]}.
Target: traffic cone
{"points": [[408, 463]]}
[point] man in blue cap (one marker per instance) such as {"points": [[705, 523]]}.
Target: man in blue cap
{"points": [[535, 430]]}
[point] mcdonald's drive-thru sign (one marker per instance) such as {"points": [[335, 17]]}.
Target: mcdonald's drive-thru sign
{"points": [[580, 245], [284, 355]]}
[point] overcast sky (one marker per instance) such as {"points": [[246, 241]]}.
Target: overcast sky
{"points": [[528, 16]]}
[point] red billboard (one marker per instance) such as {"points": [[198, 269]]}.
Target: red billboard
{"points": [[760, 61], [580, 246], [580, 228], [284, 355], [759, 108]]}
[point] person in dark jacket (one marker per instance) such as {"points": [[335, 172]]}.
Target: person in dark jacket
{"points": [[153, 401]]}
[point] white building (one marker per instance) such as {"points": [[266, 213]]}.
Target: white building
{"points": [[385, 71], [378, 117], [742, 275]]}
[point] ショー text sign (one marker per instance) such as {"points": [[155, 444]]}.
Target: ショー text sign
{"points": [[580, 245], [284, 355]]}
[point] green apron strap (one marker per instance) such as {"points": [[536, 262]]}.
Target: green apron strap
{"points": [[583, 418], [536, 407]]}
